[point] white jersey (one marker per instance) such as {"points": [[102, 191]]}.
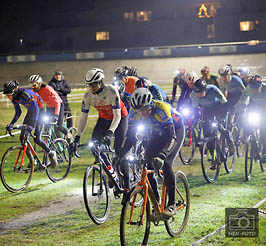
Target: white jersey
{"points": [[108, 105]]}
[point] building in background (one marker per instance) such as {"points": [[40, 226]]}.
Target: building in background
{"points": [[73, 26]]}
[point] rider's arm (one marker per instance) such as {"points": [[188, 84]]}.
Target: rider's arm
{"points": [[156, 94], [174, 90], [85, 108], [65, 88], [220, 97], [115, 102], [17, 113]]}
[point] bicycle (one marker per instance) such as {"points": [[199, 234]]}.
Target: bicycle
{"points": [[95, 185], [136, 220], [192, 137], [17, 165], [253, 147], [211, 160]]}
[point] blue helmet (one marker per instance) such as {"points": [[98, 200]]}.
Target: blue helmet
{"points": [[255, 82]]}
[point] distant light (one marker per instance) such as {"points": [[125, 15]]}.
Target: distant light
{"points": [[126, 50], [151, 48], [199, 47], [253, 42], [21, 40]]}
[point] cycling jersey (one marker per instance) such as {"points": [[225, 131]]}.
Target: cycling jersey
{"points": [[30, 100], [181, 83], [108, 105], [126, 99], [184, 96], [213, 80], [234, 87], [158, 93], [212, 98], [50, 98], [130, 82]]}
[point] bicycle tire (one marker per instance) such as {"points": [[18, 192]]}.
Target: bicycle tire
{"points": [[177, 224], [206, 158], [249, 158], [94, 193], [187, 151], [229, 163], [130, 232], [64, 160], [16, 179]]}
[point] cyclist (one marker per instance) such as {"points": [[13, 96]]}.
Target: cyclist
{"points": [[156, 91], [179, 80], [55, 106], [34, 105], [125, 96], [255, 97], [211, 101], [112, 111], [128, 75], [167, 132], [186, 89], [59, 84], [209, 78]]}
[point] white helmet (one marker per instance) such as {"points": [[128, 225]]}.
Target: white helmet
{"points": [[141, 97], [225, 70], [35, 78], [191, 76], [94, 75]]}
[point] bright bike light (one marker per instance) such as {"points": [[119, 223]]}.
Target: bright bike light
{"points": [[214, 124], [90, 144], [254, 118], [130, 157], [45, 118], [185, 111], [140, 128]]}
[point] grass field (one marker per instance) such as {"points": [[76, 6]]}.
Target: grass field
{"points": [[74, 227]]}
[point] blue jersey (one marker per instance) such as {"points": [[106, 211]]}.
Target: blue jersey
{"points": [[27, 98], [126, 99], [157, 93], [212, 98]]}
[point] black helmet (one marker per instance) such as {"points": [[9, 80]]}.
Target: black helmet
{"points": [[199, 85], [142, 82], [57, 72], [10, 86], [121, 72], [132, 71], [255, 81]]}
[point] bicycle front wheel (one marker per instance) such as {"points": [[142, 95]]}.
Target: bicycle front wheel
{"points": [[187, 151], [249, 158], [209, 162], [96, 195], [177, 224], [229, 163], [133, 230], [16, 174], [62, 149]]}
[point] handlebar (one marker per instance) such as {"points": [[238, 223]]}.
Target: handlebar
{"points": [[20, 127]]}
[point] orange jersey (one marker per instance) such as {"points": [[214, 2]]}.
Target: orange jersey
{"points": [[130, 82]]}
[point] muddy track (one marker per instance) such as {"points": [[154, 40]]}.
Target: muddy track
{"points": [[71, 201]]}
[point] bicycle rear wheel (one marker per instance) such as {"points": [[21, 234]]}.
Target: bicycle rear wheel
{"points": [[16, 177], [62, 149], [209, 163], [177, 224], [249, 158], [132, 231], [187, 151], [96, 195]]}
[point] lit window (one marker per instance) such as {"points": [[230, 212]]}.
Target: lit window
{"points": [[247, 25], [102, 36], [144, 16], [129, 16]]}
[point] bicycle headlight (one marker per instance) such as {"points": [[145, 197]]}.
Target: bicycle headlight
{"points": [[254, 118], [185, 112], [90, 144], [45, 118], [214, 124], [130, 157], [140, 128]]}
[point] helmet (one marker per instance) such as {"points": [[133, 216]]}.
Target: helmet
{"points": [[141, 97], [191, 76], [205, 70], [35, 78], [132, 71], [244, 72], [10, 86], [199, 85], [180, 72], [255, 81], [142, 82], [121, 72], [120, 86], [94, 75], [225, 70]]}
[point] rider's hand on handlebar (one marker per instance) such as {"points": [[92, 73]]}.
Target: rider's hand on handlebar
{"points": [[9, 127], [107, 138], [157, 163], [54, 119]]}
